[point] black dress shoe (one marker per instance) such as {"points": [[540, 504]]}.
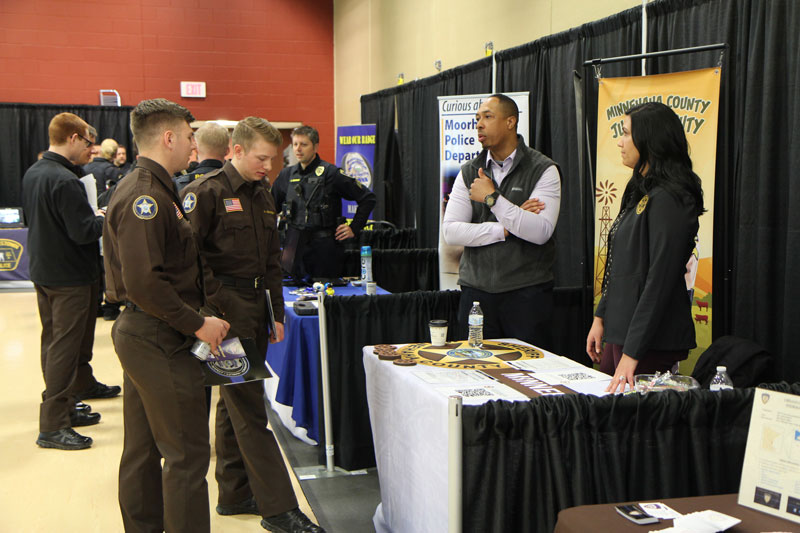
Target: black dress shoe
{"points": [[82, 418], [99, 390], [293, 521], [85, 407], [246, 507], [63, 439]]}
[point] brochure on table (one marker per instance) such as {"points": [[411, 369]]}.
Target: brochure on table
{"points": [[771, 472]]}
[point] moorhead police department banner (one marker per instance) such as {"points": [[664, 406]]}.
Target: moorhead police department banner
{"points": [[694, 96], [458, 143]]}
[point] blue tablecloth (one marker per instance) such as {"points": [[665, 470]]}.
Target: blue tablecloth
{"points": [[296, 362]]}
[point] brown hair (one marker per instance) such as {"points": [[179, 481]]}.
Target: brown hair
{"points": [[152, 117], [65, 125], [308, 131], [245, 132]]}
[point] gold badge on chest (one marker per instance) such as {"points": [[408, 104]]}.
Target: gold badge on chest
{"points": [[320, 170], [642, 204]]}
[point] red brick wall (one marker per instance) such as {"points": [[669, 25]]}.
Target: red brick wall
{"points": [[269, 58]]}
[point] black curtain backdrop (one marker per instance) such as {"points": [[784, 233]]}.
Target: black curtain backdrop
{"points": [[401, 270], [378, 108], [357, 321], [418, 135], [24, 128], [756, 240], [756, 231], [525, 461]]}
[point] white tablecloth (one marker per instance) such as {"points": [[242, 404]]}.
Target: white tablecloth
{"points": [[408, 413]]}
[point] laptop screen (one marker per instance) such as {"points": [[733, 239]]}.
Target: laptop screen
{"points": [[11, 217]]}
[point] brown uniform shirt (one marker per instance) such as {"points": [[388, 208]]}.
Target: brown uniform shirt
{"points": [[236, 226], [150, 255]]}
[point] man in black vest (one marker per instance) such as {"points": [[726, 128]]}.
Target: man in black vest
{"points": [[213, 144], [503, 209], [311, 194]]}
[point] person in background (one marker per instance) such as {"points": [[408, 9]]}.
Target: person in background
{"points": [[310, 194], [503, 209], [121, 160], [153, 266], [233, 215], [104, 171], [63, 234], [212, 149], [643, 315]]}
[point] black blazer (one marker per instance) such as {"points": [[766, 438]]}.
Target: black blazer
{"points": [[646, 305]]}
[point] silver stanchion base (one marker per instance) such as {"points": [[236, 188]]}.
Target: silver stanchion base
{"points": [[304, 473]]}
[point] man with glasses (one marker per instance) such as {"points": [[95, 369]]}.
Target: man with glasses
{"points": [[63, 233]]}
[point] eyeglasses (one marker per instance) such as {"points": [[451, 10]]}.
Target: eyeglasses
{"points": [[87, 141]]}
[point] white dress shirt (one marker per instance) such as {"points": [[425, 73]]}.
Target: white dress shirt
{"points": [[458, 229]]}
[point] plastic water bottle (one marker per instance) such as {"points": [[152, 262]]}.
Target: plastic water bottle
{"points": [[721, 380], [476, 326], [366, 264]]}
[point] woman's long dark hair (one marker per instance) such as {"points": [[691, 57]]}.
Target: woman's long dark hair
{"points": [[660, 139]]}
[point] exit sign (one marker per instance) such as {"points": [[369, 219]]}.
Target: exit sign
{"points": [[193, 89]]}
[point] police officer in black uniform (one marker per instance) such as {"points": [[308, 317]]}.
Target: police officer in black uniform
{"points": [[311, 194], [212, 149]]}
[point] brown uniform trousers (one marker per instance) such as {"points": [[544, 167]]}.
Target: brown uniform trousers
{"points": [[68, 315], [249, 462], [165, 416]]}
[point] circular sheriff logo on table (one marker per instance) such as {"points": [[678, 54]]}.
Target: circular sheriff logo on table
{"points": [[493, 354]]}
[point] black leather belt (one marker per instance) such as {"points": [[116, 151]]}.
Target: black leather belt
{"points": [[242, 283], [323, 234]]}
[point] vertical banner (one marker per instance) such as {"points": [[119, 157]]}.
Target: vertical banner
{"points": [[355, 154], [458, 143], [694, 96]]}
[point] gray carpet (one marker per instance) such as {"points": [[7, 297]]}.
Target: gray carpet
{"points": [[342, 504]]}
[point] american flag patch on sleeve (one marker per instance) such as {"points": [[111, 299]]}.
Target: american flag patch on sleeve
{"points": [[232, 204]]}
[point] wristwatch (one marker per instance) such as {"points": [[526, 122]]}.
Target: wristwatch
{"points": [[491, 199]]}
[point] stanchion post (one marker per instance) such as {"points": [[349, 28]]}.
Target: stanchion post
{"points": [[454, 464], [326, 389]]}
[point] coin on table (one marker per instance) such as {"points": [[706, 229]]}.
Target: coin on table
{"points": [[404, 362]]}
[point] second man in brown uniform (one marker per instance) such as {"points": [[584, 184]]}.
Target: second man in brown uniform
{"points": [[233, 215]]}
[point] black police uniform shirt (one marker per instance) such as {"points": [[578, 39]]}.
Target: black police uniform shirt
{"points": [[104, 171], [312, 197], [204, 167]]}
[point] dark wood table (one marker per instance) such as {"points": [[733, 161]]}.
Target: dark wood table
{"points": [[605, 518]]}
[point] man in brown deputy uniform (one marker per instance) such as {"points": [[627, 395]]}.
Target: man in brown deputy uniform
{"points": [[152, 264], [233, 215]]}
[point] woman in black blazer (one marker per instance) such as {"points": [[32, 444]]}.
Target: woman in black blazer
{"points": [[644, 313]]}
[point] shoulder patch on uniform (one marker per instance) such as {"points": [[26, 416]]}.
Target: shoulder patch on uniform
{"points": [[320, 170], [189, 202], [145, 207], [642, 204]]}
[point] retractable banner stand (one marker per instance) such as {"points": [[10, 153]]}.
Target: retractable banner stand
{"points": [[355, 155], [458, 143], [694, 96]]}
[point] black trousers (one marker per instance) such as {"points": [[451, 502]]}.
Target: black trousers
{"points": [[524, 314], [68, 316], [164, 417]]}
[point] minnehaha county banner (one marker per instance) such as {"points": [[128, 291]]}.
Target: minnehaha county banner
{"points": [[694, 96]]}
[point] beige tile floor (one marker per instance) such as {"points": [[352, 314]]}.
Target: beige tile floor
{"points": [[44, 490]]}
